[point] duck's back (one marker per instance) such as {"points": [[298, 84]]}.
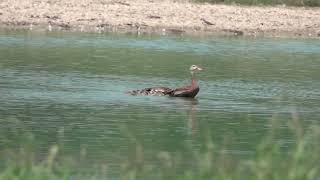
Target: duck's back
{"points": [[152, 91]]}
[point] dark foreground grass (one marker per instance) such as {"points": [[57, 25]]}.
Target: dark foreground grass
{"points": [[311, 3], [271, 161]]}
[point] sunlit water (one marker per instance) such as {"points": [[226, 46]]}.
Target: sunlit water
{"points": [[68, 89]]}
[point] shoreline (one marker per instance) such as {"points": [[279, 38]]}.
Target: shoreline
{"points": [[160, 17]]}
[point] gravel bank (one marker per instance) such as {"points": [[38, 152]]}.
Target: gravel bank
{"points": [[160, 16]]}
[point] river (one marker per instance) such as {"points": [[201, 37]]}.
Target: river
{"points": [[68, 89]]}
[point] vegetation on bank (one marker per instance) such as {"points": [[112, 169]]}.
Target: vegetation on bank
{"points": [[271, 161], [311, 3]]}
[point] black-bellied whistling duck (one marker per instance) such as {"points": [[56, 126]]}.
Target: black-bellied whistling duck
{"points": [[187, 91]]}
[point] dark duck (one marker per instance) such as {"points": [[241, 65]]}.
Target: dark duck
{"points": [[188, 91]]}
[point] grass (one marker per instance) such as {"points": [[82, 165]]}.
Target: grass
{"points": [[271, 161], [22, 166], [311, 3]]}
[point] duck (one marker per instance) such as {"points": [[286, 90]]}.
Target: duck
{"points": [[189, 91]]}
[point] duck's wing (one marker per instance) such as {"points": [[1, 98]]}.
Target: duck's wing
{"points": [[181, 90], [151, 91], [187, 91]]}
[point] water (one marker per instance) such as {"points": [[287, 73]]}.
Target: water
{"points": [[68, 89]]}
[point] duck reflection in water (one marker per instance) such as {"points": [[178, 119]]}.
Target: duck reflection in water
{"points": [[190, 104]]}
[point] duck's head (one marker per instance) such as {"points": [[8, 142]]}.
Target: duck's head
{"points": [[195, 68]]}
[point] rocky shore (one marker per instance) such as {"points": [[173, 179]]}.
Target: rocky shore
{"points": [[166, 16]]}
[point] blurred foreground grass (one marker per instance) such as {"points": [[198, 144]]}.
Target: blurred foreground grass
{"points": [[311, 3], [271, 160]]}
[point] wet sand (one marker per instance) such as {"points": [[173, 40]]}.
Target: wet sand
{"points": [[159, 16]]}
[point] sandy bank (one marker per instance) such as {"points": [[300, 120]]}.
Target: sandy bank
{"points": [[160, 16]]}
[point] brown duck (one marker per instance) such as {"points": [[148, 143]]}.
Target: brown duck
{"points": [[187, 91]]}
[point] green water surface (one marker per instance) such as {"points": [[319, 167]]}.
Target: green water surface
{"points": [[68, 89]]}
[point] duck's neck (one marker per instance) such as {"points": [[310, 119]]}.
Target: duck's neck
{"points": [[193, 80]]}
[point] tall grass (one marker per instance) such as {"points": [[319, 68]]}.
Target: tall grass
{"points": [[21, 165], [311, 3], [271, 161]]}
